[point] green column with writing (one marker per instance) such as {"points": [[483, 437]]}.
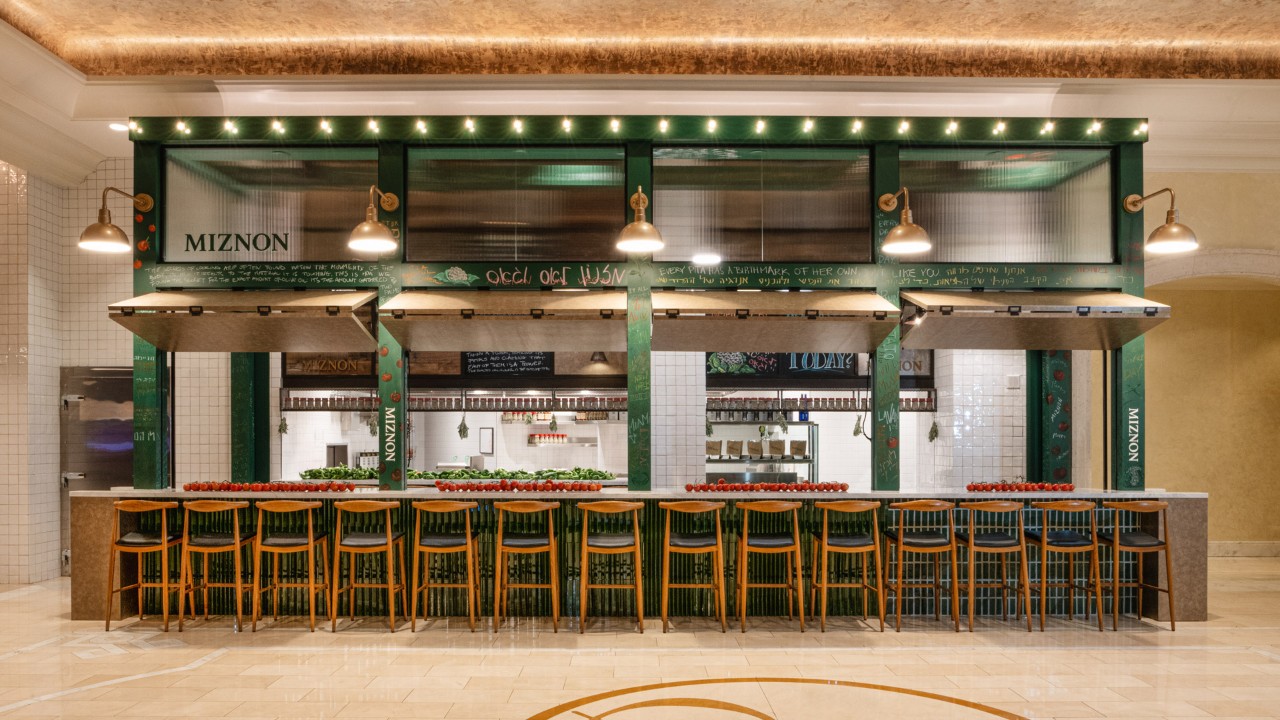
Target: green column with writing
{"points": [[152, 428], [1128, 382], [885, 382], [639, 333], [393, 373]]}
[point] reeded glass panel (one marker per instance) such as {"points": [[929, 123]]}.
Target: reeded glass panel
{"points": [[265, 204], [1011, 205], [766, 204], [503, 204]]}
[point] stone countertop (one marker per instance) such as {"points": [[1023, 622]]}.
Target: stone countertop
{"points": [[617, 493]]}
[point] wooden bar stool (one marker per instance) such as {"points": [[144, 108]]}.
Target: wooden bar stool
{"points": [[206, 543], [862, 544], [1141, 543], [139, 543], [933, 542], [437, 543], [525, 543], [388, 541], [611, 543], [1069, 543], [770, 544], [694, 543], [277, 544], [1000, 543]]}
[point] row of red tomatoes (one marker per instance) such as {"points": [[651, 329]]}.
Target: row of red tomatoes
{"points": [[329, 486], [1020, 487], [516, 486], [722, 485]]}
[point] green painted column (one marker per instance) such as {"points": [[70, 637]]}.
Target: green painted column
{"points": [[639, 334], [885, 382], [393, 373], [250, 417], [152, 443], [1049, 416], [1128, 382]]}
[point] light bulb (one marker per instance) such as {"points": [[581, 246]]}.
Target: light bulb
{"points": [[663, 125], [469, 124], [567, 124], [615, 125], [325, 126], [952, 127], [711, 125], [759, 127], [808, 125], [181, 126], [422, 126], [1048, 127], [230, 127], [1095, 127], [904, 126], [517, 125], [999, 128], [133, 125], [857, 126], [277, 126], [373, 126]]}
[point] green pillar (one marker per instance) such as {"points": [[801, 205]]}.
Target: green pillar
{"points": [[393, 373], [885, 382], [1049, 416], [639, 335], [151, 426], [1128, 382], [250, 417]]}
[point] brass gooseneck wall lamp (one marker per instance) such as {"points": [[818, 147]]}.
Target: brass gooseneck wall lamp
{"points": [[371, 236], [639, 236], [105, 237], [906, 238], [1171, 237]]}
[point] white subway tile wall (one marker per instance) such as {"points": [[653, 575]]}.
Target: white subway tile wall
{"points": [[678, 387], [202, 417], [981, 421]]}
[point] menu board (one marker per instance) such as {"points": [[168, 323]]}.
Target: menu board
{"points": [[508, 364], [783, 365], [328, 364]]}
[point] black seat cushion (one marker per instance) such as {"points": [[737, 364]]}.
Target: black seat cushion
{"points": [[213, 540], [693, 540], [288, 540], [1133, 539], [1061, 538], [443, 540], [850, 541], [611, 540], [770, 540], [369, 539], [920, 538], [525, 540], [998, 539], [145, 539]]}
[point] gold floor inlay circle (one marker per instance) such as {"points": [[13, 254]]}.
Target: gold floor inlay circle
{"points": [[768, 699]]}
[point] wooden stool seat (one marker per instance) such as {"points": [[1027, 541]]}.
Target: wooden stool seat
{"points": [[1000, 543], [694, 543], [267, 542], [525, 543], [769, 543], [443, 543], [140, 542], [860, 544], [926, 542], [212, 543], [610, 543], [389, 542], [1140, 543], [1067, 542]]}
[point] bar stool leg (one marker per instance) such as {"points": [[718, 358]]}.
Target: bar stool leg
{"points": [[311, 585], [183, 573], [971, 571], [866, 586], [1141, 578], [1044, 582], [897, 590], [639, 590], [1115, 587], [955, 591], [1004, 586], [723, 591], [391, 588], [417, 589], [1024, 585], [1095, 573], [337, 584], [256, 606], [742, 586], [239, 590], [666, 586], [583, 576], [1168, 571], [498, 572], [798, 594], [555, 589], [473, 585], [880, 578], [164, 584], [111, 581], [826, 578]]}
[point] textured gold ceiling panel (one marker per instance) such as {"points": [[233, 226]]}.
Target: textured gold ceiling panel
{"points": [[970, 38]]}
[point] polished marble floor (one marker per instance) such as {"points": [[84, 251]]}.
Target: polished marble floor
{"points": [[1228, 667]]}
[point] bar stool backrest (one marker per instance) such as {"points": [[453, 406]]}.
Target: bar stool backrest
{"points": [[992, 506], [213, 506], [924, 506], [1139, 506], [443, 507], [770, 506], [1066, 506], [282, 507], [612, 507], [851, 507], [525, 507], [364, 506], [690, 507], [136, 507]]}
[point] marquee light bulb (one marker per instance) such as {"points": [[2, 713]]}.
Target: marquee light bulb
{"points": [[1141, 129], [469, 124], [567, 124], [615, 124], [1048, 127], [133, 125], [517, 125], [181, 126], [711, 125], [663, 125], [373, 126], [1095, 127], [759, 127], [325, 126], [230, 127], [808, 125], [277, 126], [903, 127], [952, 127], [422, 126], [857, 126], [999, 128]]}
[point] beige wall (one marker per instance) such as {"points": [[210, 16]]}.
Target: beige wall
{"points": [[1227, 210]]}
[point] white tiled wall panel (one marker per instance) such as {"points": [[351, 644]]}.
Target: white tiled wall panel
{"points": [[678, 382]]}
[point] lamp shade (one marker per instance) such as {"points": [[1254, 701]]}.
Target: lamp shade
{"points": [[906, 238], [104, 237], [639, 236], [371, 236], [1172, 237]]}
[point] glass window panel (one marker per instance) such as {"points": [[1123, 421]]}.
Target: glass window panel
{"points": [[265, 204], [766, 204], [1011, 205], [515, 204]]}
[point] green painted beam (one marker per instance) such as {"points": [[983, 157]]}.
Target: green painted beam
{"points": [[1034, 433], [151, 427], [639, 331], [885, 370], [250, 417], [1128, 389], [393, 370], [1048, 432], [675, 129]]}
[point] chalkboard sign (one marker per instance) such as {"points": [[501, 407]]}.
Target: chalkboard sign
{"points": [[783, 365], [508, 364]]}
